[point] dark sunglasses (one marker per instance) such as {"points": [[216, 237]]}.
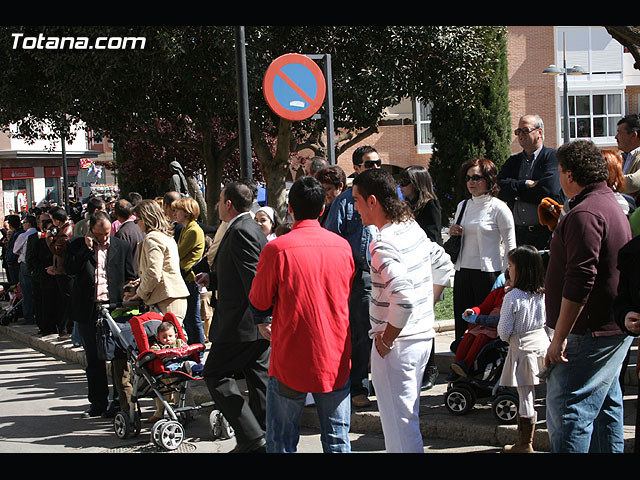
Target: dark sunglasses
{"points": [[371, 163], [475, 178]]}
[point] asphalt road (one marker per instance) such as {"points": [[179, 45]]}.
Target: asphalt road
{"points": [[43, 398]]}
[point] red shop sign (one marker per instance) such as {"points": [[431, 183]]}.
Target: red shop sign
{"points": [[56, 172], [16, 173]]}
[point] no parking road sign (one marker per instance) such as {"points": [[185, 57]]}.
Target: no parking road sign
{"points": [[294, 86]]}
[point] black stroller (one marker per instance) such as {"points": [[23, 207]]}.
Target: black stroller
{"points": [[12, 295], [483, 382], [130, 337]]}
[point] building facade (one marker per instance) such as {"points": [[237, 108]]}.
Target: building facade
{"points": [[597, 100]]}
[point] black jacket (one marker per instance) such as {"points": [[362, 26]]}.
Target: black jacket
{"points": [[234, 269], [81, 263], [545, 171], [628, 298]]}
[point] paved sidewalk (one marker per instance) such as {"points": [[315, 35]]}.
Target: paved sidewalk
{"points": [[478, 426]]}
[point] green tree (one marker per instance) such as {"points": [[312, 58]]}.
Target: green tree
{"points": [[474, 130], [186, 76]]}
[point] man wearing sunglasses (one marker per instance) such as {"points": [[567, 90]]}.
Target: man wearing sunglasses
{"points": [[345, 220], [528, 177]]}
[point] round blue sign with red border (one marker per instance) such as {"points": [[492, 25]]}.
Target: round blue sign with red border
{"points": [[294, 86]]}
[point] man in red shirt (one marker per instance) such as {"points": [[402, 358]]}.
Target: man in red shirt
{"points": [[305, 277]]}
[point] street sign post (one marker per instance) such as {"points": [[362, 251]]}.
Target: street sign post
{"points": [[294, 87]]}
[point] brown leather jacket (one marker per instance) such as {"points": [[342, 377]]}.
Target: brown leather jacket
{"points": [[58, 244]]}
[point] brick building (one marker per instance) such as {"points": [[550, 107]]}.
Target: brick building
{"points": [[610, 89]]}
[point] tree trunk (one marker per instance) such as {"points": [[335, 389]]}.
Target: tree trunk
{"points": [[275, 166]]}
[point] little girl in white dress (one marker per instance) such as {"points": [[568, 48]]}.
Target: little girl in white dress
{"points": [[522, 322]]}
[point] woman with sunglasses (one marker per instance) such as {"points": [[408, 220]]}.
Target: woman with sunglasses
{"points": [[417, 189], [486, 224]]}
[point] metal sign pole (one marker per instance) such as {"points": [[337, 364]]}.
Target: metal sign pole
{"points": [[65, 180], [328, 115], [243, 106]]}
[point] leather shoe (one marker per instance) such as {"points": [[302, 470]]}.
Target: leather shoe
{"points": [[259, 445], [93, 412], [360, 401]]}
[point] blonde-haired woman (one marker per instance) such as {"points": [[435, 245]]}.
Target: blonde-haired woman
{"points": [[190, 249], [161, 283]]}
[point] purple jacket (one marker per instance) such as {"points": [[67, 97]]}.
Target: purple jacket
{"points": [[583, 259]]}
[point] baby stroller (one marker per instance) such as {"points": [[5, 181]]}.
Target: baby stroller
{"points": [[11, 294], [483, 381], [132, 339]]}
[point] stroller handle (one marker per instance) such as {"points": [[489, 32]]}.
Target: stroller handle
{"points": [[113, 306]]}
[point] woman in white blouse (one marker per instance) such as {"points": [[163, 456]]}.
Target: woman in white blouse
{"points": [[488, 234]]}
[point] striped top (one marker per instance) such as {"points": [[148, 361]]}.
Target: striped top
{"points": [[405, 265]]}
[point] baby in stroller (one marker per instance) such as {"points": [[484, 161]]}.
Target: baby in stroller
{"points": [[483, 320], [165, 354], [167, 337]]}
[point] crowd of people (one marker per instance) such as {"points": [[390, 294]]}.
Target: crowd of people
{"points": [[337, 298]]}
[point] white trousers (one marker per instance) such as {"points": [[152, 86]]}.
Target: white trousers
{"points": [[397, 379]]}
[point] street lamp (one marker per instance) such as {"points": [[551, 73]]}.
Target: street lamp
{"points": [[575, 70]]}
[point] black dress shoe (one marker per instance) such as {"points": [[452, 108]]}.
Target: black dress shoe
{"points": [[429, 378], [93, 412], [258, 445]]}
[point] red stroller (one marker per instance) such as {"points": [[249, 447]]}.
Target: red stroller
{"points": [[150, 377]]}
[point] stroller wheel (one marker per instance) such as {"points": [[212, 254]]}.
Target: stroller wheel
{"points": [[505, 408], [124, 427], [459, 400], [220, 428], [155, 432], [171, 435]]}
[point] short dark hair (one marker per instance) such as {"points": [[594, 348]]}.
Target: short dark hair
{"points": [[123, 208], [59, 214], [253, 186], [359, 152], [98, 217], [333, 175], [13, 220], [380, 183], [169, 198], [240, 195], [31, 220], [529, 269], [134, 198], [488, 170], [632, 122], [306, 198], [584, 160], [95, 203]]}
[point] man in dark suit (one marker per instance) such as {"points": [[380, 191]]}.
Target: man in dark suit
{"points": [[128, 230], [101, 264], [528, 177], [237, 345]]}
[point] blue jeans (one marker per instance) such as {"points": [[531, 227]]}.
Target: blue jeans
{"points": [[192, 320], [284, 412], [360, 326], [26, 289], [584, 400]]}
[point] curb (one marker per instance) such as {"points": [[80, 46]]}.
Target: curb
{"points": [[478, 426]]}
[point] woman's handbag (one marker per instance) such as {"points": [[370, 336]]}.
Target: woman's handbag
{"points": [[452, 246]]}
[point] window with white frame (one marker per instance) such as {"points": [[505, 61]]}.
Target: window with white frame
{"points": [[423, 127], [594, 115]]}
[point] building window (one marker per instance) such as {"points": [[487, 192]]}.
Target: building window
{"points": [[594, 116], [423, 127]]}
